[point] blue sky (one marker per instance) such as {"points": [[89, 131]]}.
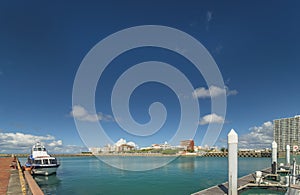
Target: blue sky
{"points": [[255, 45]]}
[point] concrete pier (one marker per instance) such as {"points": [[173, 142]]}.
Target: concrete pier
{"points": [[12, 179], [242, 183], [9, 177], [4, 174], [234, 186]]}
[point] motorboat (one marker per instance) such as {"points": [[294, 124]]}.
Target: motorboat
{"points": [[39, 162]]}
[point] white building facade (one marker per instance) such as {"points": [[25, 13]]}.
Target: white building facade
{"points": [[287, 132]]}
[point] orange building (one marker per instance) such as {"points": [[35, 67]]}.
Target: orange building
{"points": [[188, 144]]}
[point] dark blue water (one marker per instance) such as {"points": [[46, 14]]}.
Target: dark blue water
{"points": [[185, 175]]}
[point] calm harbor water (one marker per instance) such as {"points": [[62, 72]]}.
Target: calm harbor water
{"points": [[185, 175]]}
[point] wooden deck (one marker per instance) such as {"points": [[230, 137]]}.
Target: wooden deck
{"points": [[222, 189]]}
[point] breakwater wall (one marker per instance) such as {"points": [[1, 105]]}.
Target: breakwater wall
{"points": [[252, 154]]}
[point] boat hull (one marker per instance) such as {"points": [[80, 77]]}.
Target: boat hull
{"points": [[40, 162], [44, 170]]}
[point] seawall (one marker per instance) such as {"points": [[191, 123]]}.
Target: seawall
{"points": [[252, 154]]}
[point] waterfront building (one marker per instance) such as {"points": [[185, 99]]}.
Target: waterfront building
{"points": [[187, 144], [95, 150], [163, 146], [156, 146], [108, 148], [287, 132], [125, 148]]}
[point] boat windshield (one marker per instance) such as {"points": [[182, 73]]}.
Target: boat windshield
{"points": [[39, 149], [53, 161], [37, 161], [45, 161]]}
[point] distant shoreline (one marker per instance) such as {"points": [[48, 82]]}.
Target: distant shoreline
{"points": [[106, 154], [208, 154]]}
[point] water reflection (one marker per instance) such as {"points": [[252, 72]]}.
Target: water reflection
{"points": [[186, 163], [48, 184], [137, 163]]}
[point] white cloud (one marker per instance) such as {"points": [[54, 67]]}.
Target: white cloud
{"points": [[20, 140], [258, 137], [211, 118], [56, 143], [212, 91], [120, 142], [80, 113], [209, 15], [231, 92], [131, 144], [123, 141], [67, 149], [22, 143]]}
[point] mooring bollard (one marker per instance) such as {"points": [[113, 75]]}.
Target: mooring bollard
{"points": [[274, 157], [288, 151], [232, 162], [294, 172]]}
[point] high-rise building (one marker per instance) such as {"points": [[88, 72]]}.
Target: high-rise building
{"points": [[187, 144], [287, 132]]}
